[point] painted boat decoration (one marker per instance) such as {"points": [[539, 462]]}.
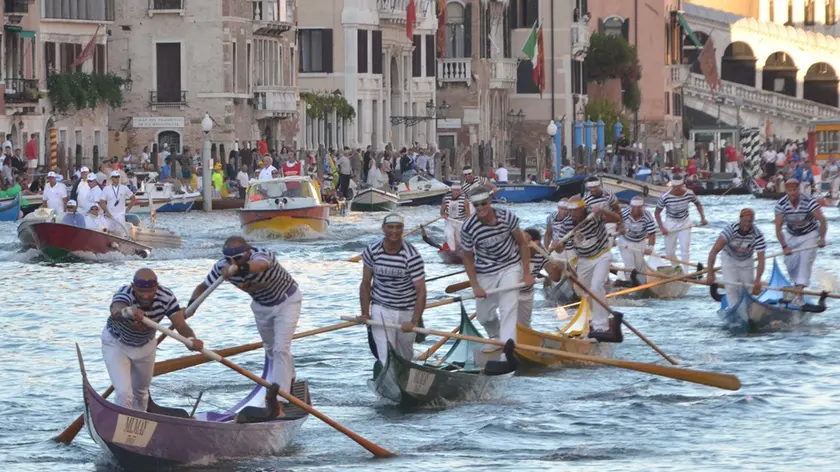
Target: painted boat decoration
{"points": [[446, 255], [768, 310], [625, 188], [287, 207], [373, 199], [524, 193], [421, 190], [463, 374], [164, 438], [60, 242], [11, 210]]}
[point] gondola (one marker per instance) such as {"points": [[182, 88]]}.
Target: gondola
{"points": [[461, 375], [163, 438], [571, 338], [768, 310], [11, 210], [670, 290], [568, 187], [561, 292], [447, 256]]}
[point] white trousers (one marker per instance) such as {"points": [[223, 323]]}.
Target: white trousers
{"points": [[130, 369], [682, 237], [498, 312], [593, 273], [736, 272], [116, 224], [452, 231], [835, 186], [805, 188], [633, 255], [732, 167], [403, 342], [526, 306], [799, 265], [276, 325]]}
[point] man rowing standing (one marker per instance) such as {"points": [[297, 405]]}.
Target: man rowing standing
{"points": [[592, 245], [806, 228], [639, 237], [553, 224], [496, 254], [739, 241], [276, 301], [455, 210], [393, 289], [471, 181], [128, 345], [537, 263], [596, 196], [677, 228]]}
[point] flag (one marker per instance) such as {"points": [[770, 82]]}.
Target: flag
{"points": [[441, 31], [410, 19], [87, 52], [533, 48], [708, 65]]}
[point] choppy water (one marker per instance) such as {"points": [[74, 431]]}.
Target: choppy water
{"points": [[784, 418]]}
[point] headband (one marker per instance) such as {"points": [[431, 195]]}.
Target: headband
{"points": [[676, 182], [143, 283], [574, 204], [480, 197], [455, 185], [637, 201], [792, 182], [593, 184], [467, 171], [235, 251], [393, 219]]}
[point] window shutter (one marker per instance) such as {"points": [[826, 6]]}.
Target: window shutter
{"points": [[506, 33], [525, 78], [362, 51], [468, 31], [430, 55], [327, 50], [600, 25], [625, 29], [513, 18], [416, 57], [376, 39]]}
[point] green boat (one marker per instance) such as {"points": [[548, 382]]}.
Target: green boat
{"points": [[458, 377], [373, 199]]}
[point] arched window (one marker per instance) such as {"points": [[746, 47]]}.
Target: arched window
{"points": [[614, 26], [789, 13], [772, 16], [170, 140], [456, 30]]}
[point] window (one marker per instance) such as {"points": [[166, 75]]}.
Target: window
{"points": [[677, 104], [362, 55], [830, 12], [430, 55], [828, 141], [78, 142], [525, 78], [49, 58], [62, 138], [484, 31], [376, 40], [809, 12], [168, 65], [667, 103], [615, 26], [99, 58], [249, 64], [69, 53], [316, 50], [789, 13], [578, 78], [523, 13], [457, 29], [417, 57], [235, 68]]}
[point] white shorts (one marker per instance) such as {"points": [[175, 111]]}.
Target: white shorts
{"points": [[32, 164]]}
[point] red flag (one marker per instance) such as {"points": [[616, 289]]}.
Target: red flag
{"points": [[410, 19], [539, 71], [87, 52], [708, 65], [441, 31]]}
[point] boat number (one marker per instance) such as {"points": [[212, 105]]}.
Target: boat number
{"points": [[134, 431], [514, 188], [419, 382]]}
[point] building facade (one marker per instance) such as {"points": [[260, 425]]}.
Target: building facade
{"points": [[231, 59]]}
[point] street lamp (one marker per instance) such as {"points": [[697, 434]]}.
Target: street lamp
{"points": [[515, 118], [556, 135], [206, 179]]}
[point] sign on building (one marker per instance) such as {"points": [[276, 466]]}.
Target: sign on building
{"points": [[158, 122]]}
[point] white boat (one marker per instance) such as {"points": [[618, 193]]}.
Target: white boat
{"points": [[422, 190], [625, 188], [164, 196], [374, 199], [24, 231]]}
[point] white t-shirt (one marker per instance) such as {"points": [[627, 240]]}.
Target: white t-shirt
{"points": [[343, 165], [265, 173], [242, 178], [768, 156], [81, 195], [781, 159], [501, 175], [97, 223], [115, 198], [421, 162], [55, 196], [91, 199]]}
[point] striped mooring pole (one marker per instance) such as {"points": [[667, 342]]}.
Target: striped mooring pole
{"points": [[53, 149]]}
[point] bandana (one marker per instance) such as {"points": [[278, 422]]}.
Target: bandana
{"points": [[676, 182], [393, 219], [235, 251], [637, 201], [480, 197]]}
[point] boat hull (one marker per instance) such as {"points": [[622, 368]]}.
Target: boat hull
{"points": [[370, 200], [11, 210], [670, 290], [221, 204], [60, 242], [570, 344], [170, 207], [286, 223], [568, 188], [560, 293], [430, 198], [24, 230], [625, 189], [521, 193]]}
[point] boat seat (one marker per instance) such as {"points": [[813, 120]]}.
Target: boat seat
{"points": [[162, 410]]}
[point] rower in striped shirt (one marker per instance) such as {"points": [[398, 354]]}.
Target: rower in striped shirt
{"points": [[471, 181], [677, 228], [276, 301], [596, 196], [537, 263], [495, 255], [805, 226], [739, 241], [553, 224], [592, 245], [393, 289], [639, 236], [455, 210], [128, 345]]}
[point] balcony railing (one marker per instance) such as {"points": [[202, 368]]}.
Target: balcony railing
{"points": [[580, 38], [85, 10], [457, 69], [275, 102], [16, 7], [396, 9], [158, 5], [168, 98], [502, 73], [268, 17], [21, 90]]}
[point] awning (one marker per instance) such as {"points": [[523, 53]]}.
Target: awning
{"points": [[13, 28], [688, 31], [27, 34]]}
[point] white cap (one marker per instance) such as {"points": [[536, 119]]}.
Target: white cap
{"points": [[51, 175], [115, 173], [84, 169], [91, 177], [637, 201], [71, 203], [455, 185], [480, 197], [393, 219], [593, 183]]}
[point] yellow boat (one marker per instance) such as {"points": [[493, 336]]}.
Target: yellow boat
{"points": [[288, 207], [571, 338]]}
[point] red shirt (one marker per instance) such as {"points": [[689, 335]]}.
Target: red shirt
{"points": [[32, 150], [262, 147], [731, 155], [292, 170]]}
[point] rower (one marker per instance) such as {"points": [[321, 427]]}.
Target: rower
{"points": [[804, 225], [537, 263], [276, 301], [592, 246], [675, 203], [55, 193], [128, 345], [393, 289], [113, 202], [739, 241], [553, 224], [455, 211], [596, 196], [71, 216], [489, 239], [470, 181], [639, 238]]}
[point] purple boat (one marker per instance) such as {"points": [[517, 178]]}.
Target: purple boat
{"points": [[170, 437]]}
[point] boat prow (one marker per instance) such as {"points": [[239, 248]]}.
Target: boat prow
{"points": [[60, 242], [288, 207]]}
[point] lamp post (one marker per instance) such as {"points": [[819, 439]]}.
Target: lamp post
{"points": [[553, 131], [206, 179], [515, 120]]}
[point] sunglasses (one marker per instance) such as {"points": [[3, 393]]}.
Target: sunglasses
{"points": [[481, 204], [236, 259]]}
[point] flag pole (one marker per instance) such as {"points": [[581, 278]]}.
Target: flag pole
{"points": [[553, 114]]}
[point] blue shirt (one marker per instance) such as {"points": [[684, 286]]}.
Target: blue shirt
{"points": [[75, 219], [165, 172]]}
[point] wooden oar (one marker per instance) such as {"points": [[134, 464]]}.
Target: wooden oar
{"points": [[200, 299], [440, 343], [445, 276], [712, 379], [470, 296], [358, 257], [378, 451], [562, 241], [467, 284]]}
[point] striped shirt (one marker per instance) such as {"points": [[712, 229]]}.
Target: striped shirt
{"points": [[604, 200], [555, 224], [164, 304], [394, 275], [495, 247], [592, 239], [640, 229], [676, 207], [537, 263], [267, 288], [466, 186], [742, 246], [459, 202], [800, 220]]}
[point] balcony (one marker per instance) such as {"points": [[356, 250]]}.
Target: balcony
{"points": [[275, 102], [677, 75], [395, 10], [80, 10], [16, 7], [502, 73], [167, 98], [159, 7], [272, 18], [580, 38], [21, 91], [457, 69]]}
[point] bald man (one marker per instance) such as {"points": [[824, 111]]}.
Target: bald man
{"points": [[128, 346]]}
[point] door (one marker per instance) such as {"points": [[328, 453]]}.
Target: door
{"points": [[168, 72], [449, 143], [170, 140]]}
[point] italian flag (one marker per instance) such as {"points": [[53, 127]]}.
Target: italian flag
{"points": [[533, 48]]}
